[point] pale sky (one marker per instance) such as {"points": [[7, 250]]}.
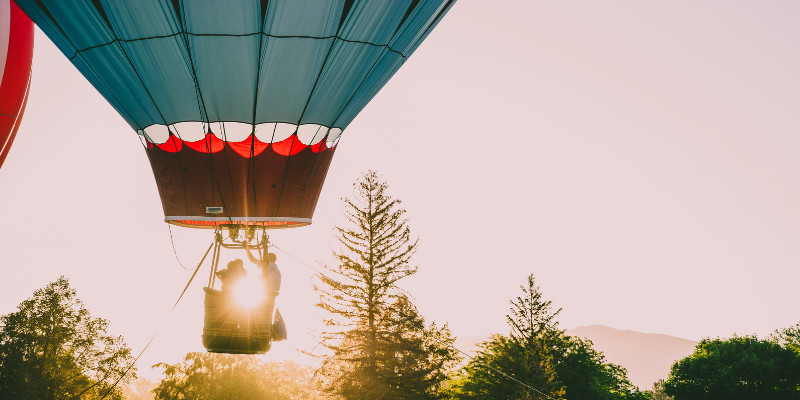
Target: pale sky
{"points": [[639, 158]]}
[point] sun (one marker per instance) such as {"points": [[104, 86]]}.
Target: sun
{"points": [[249, 292]]}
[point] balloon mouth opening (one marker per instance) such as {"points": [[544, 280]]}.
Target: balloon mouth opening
{"points": [[214, 222]]}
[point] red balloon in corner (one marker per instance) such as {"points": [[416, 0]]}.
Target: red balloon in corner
{"points": [[16, 55]]}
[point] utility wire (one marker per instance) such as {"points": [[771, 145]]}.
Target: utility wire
{"points": [[504, 374], [300, 261], [326, 276], [159, 328], [451, 346]]}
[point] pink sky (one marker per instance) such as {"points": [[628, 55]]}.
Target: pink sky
{"points": [[638, 157]]}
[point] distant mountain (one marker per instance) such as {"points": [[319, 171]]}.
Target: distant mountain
{"points": [[647, 356]]}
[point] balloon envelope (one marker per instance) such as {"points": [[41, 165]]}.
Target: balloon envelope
{"points": [[16, 54], [239, 103]]}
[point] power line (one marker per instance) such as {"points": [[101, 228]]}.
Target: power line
{"points": [[298, 260], [504, 374], [449, 345]]}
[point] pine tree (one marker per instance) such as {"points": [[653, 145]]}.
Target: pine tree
{"points": [[534, 334], [543, 357], [532, 319], [379, 346], [526, 354], [417, 356]]}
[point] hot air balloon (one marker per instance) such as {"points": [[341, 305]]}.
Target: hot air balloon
{"points": [[239, 104], [16, 54]]}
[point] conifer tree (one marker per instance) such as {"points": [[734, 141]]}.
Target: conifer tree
{"points": [[417, 356], [525, 354], [379, 346], [538, 353]]}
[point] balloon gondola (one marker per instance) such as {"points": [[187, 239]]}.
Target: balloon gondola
{"points": [[239, 104], [231, 326]]}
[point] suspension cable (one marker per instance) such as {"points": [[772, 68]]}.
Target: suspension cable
{"points": [[173, 249]]}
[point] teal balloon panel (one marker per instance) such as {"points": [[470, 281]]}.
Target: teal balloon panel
{"points": [[259, 88]]}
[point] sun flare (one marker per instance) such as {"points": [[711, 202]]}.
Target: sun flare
{"points": [[249, 292]]}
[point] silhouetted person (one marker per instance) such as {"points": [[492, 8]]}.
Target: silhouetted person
{"points": [[271, 278], [270, 274], [231, 276]]}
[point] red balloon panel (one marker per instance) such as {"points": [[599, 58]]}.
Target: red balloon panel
{"points": [[263, 187], [16, 54]]}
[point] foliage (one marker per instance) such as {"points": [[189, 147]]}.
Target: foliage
{"points": [[586, 374], [220, 376], [140, 389], [378, 344], [52, 348], [542, 356], [415, 356], [741, 367], [789, 337], [487, 375], [526, 354], [657, 393], [534, 333]]}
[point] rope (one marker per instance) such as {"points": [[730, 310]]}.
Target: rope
{"points": [[173, 249], [451, 346], [157, 331]]}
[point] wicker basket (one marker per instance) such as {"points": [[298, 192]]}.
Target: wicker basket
{"points": [[235, 329]]}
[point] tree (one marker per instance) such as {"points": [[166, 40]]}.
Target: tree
{"points": [[204, 376], [52, 348], [741, 367], [489, 374], [417, 356], [378, 344], [789, 337], [526, 354], [586, 374], [539, 354], [140, 389], [657, 393]]}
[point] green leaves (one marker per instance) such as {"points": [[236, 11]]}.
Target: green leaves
{"points": [[53, 348], [204, 376], [539, 354], [789, 337], [483, 377], [741, 367], [526, 354]]}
